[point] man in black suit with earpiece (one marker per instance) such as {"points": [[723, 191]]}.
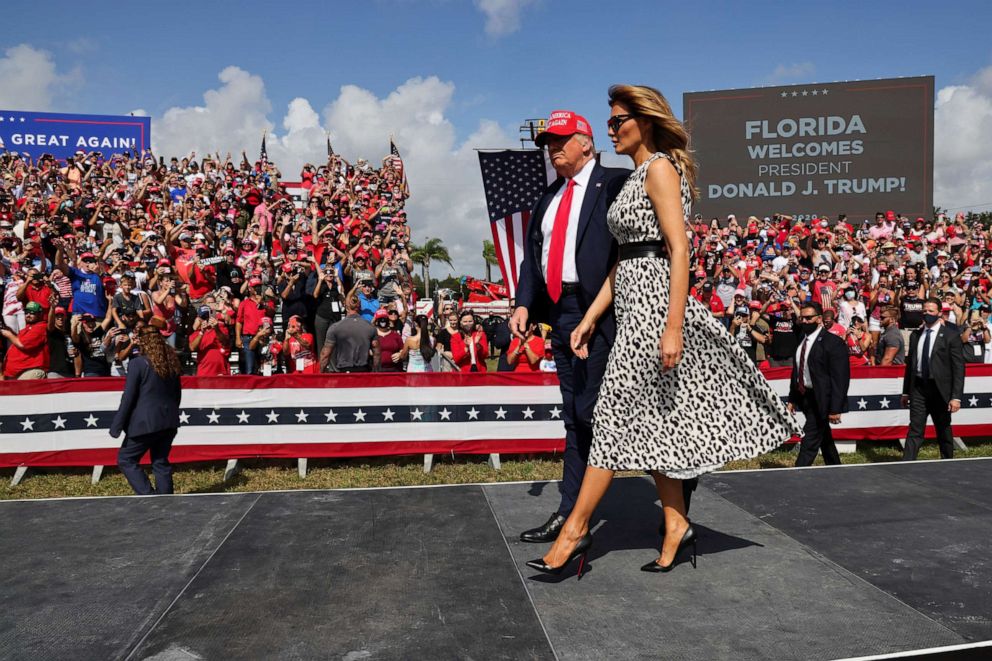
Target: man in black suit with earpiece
{"points": [[821, 374], [934, 381]]}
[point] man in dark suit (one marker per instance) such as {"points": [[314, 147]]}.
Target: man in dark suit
{"points": [[934, 381], [821, 374], [568, 253]]}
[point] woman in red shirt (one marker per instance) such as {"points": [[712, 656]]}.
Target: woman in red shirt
{"points": [[298, 348], [525, 356], [390, 342], [469, 347], [211, 340]]}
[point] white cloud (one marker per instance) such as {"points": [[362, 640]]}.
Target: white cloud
{"points": [[447, 199], [30, 80], [502, 16], [790, 73], [963, 144]]}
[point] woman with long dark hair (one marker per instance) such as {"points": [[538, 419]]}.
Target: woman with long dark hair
{"points": [[418, 350], [674, 371], [149, 412]]}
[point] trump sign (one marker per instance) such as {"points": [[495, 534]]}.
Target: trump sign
{"points": [[61, 135]]}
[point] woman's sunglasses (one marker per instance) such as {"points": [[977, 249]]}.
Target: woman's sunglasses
{"points": [[616, 121]]}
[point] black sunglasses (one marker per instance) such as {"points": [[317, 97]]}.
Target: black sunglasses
{"points": [[616, 121], [809, 317]]}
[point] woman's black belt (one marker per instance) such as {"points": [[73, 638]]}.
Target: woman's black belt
{"points": [[643, 249]]}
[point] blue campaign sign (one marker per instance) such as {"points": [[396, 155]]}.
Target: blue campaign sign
{"points": [[62, 135]]}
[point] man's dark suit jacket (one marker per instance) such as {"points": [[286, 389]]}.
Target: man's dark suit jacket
{"points": [[595, 247], [830, 372], [946, 362], [149, 403]]}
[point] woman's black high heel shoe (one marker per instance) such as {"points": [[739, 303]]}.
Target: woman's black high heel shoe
{"points": [[688, 538], [580, 551]]}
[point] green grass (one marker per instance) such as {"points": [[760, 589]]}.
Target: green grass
{"points": [[278, 474]]}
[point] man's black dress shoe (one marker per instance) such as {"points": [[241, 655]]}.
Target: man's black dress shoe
{"points": [[546, 533]]}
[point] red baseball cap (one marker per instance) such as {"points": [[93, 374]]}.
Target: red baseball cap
{"points": [[563, 122], [254, 282], [381, 314], [890, 215]]}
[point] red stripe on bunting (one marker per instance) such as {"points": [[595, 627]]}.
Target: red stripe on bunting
{"points": [[188, 453]]}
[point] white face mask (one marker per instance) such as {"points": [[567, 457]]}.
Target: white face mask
{"points": [[849, 295]]}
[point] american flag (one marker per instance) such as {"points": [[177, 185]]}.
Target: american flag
{"points": [[513, 180], [398, 165]]}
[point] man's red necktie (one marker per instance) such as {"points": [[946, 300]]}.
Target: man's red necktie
{"points": [[556, 254]]}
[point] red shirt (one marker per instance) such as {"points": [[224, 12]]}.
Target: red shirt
{"points": [[35, 352], [536, 344], [41, 296], [462, 352], [250, 316], [300, 359], [213, 353]]}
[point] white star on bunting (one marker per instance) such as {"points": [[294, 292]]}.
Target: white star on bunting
{"points": [[555, 413], [272, 416], [360, 416], [388, 415], [885, 402], [91, 421], [473, 413], [500, 414], [331, 416], [416, 414], [862, 403], [213, 417], [59, 422], [445, 414], [528, 413], [242, 418], [27, 424], [302, 416], [973, 401], [183, 418]]}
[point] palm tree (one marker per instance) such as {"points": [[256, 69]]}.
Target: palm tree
{"points": [[432, 250], [489, 255]]}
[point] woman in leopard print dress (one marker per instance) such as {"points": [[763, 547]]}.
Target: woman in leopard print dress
{"points": [[679, 398]]}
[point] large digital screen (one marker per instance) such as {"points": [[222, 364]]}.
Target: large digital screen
{"points": [[819, 149]]}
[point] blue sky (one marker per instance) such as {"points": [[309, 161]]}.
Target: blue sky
{"points": [[495, 63]]}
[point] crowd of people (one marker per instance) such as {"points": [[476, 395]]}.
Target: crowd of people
{"points": [[216, 254], [871, 278]]}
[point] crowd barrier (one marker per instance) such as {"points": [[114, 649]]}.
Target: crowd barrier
{"points": [[64, 422]]}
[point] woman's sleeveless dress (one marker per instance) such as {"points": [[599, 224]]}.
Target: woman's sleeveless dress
{"points": [[714, 407]]}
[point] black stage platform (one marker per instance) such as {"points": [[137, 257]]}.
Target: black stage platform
{"points": [[820, 563]]}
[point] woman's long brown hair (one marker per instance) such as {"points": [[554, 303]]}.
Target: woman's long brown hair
{"points": [[162, 357], [669, 134]]}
